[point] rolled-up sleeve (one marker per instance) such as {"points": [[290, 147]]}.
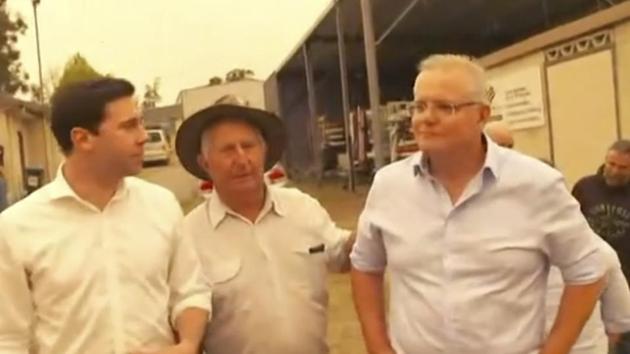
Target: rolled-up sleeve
{"points": [[368, 253], [569, 242], [16, 309], [189, 289], [615, 300]]}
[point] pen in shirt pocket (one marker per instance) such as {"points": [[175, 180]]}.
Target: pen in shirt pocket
{"points": [[317, 249]]}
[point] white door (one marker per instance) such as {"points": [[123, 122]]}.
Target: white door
{"points": [[582, 110]]}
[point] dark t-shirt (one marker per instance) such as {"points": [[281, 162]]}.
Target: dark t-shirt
{"points": [[607, 210]]}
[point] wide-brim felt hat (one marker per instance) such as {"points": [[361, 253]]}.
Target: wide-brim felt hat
{"points": [[188, 140]]}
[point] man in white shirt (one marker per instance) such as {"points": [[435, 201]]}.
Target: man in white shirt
{"points": [[612, 313], [459, 282], [265, 250], [92, 262]]}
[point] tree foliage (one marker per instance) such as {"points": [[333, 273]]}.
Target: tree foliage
{"points": [[12, 75], [77, 69]]}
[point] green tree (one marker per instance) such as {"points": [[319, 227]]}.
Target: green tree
{"points": [[77, 69], [12, 76]]}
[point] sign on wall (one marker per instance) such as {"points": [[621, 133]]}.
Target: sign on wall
{"points": [[518, 98]]}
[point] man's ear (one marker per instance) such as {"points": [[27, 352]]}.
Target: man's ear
{"points": [[201, 161], [485, 113], [82, 139]]}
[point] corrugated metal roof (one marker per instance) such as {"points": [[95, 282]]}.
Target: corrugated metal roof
{"points": [[475, 27]]}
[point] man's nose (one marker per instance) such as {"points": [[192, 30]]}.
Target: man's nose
{"points": [[144, 136], [241, 156]]}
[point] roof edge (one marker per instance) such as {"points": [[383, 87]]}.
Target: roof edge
{"points": [[611, 16]]}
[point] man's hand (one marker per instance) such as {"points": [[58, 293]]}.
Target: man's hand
{"points": [[575, 309], [181, 348], [614, 338], [347, 249], [368, 295]]}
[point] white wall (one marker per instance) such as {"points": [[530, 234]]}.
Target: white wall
{"points": [[536, 142], [12, 167], [40, 150], [582, 99], [195, 99], [622, 60], [533, 141]]}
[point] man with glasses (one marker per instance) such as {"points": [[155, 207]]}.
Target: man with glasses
{"points": [[468, 235]]}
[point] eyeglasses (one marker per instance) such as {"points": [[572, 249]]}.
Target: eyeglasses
{"points": [[441, 108]]}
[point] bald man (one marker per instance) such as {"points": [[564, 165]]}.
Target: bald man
{"points": [[612, 314], [500, 132]]}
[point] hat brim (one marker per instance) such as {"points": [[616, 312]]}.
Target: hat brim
{"points": [[188, 140]]}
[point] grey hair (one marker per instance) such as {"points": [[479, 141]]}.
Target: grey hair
{"points": [[458, 61], [621, 145]]}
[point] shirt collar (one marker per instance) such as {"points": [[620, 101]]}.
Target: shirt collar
{"points": [[217, 210], [492, 156], [59, 188], [491, 161], [276, 201]]}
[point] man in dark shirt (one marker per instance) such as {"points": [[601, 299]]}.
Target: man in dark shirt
{"points": [[605, 200]]}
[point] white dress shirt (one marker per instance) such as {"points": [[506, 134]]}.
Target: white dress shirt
{"points": [[268, 277], [611, 314], [471, 277], [76, 280]]}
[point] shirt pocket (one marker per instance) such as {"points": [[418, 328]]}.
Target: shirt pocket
{"points": [[222, 277], [308, 269], [223, 271]]}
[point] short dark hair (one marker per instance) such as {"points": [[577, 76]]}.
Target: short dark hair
{"points": [[82, 105], [621, 145]]}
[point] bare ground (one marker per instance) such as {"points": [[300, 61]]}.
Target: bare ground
{"points": [[344, 332]]}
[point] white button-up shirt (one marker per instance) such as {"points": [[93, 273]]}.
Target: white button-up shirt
{"points": [[611, 314], [77, 280], [471, 277], [268, 277]]}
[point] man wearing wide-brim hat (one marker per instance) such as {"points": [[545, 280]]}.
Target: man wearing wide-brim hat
{"points": [[265, 250]]}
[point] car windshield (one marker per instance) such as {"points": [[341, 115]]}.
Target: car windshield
{"points": [[154, 137]]}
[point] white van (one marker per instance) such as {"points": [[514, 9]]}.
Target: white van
{"points": [[157, 148]]}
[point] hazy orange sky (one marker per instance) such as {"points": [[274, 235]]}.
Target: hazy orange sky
{"points": [[185, 42]]}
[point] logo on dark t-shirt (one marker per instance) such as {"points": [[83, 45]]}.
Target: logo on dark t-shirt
{"points": [[607, 210], [610, 221]]}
